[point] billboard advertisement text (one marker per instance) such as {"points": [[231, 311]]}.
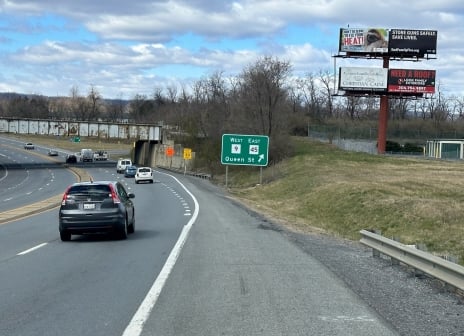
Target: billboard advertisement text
{"points": [[363, 79], [388, 42], [411, 81]]}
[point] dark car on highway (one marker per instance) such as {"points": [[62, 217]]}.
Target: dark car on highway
{"points": [[130, 171], [96, 207], [71, 158]]}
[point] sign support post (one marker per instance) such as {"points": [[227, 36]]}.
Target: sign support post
{"points": [[383, 117]]}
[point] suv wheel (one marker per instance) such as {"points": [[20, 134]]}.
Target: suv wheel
{"points": [[124, 229], [65, 236], [131, 227]]}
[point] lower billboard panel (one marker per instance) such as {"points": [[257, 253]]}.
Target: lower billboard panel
{"points": [[358, 80]]}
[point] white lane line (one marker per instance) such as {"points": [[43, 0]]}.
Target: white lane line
{"points": [[5, 169], [142, 314], [32, 249]]}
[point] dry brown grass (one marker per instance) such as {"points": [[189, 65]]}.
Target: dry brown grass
{"points": [[418, 200]]}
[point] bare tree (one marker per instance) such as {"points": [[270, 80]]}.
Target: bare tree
{"points": [[310, 95], [141, 108], [353, 106], [327, 81], [398, 108], [115, 111], [210, 106], [264, 94], [95, 103], [79, 107]]}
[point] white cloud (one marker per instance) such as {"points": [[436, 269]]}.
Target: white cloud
{"points": [[118, 45]]}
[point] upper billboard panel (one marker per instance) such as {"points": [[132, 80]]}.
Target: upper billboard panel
{"points": [[388, 42], [404, 42], [364, 40]]}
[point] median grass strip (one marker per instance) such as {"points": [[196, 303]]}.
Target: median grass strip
{"points": [[325, 189], [37, 207], [30, 209]]}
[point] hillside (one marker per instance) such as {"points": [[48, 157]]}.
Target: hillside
{"points": [[325, 189]]}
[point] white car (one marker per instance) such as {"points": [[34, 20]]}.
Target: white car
{"points": [[29, 145], [144, 174], [52, 152]]}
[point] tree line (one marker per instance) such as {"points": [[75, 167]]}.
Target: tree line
{"points": [[265, 98]]}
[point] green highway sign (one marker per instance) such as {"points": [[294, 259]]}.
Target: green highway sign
{"points": [[250, 150]]}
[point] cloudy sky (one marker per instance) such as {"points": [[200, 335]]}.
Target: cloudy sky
{"points": [[124, 48]]}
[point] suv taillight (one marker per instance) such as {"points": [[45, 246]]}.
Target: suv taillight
{"points": [[114, 195], [65, 196]]}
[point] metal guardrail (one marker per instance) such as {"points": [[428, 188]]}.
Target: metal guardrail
{"points": [[190, 173], [446, 271]]}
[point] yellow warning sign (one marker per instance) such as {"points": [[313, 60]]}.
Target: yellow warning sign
{"points": [[187, 153]]}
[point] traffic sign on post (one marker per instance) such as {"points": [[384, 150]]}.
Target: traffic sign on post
{"points": [[170, 151], [187, 153], [239, 149]]}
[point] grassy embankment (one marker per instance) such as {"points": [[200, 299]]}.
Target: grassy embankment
{"points": [[322, 188]]}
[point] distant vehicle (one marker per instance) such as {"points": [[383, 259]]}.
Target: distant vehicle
{"points": [[86, 155], [71, 158], [130, 171], [96, 207], [100, 156], [52, 152], [29, 145], [122, 164], [144, 174]]}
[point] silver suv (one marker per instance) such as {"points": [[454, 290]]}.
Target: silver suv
{"points": [[96, 207]]}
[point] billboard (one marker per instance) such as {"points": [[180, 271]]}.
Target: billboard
{"points": [[363, 79], [364, 40], [407, 42], [411, 81], [388, 42]]}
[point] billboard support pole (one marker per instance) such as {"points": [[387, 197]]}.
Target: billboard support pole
{"points": [[383, 117]]}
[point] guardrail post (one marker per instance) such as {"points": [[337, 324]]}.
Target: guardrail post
{"points": [[395, 262]]}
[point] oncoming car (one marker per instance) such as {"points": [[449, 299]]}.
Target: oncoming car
{"points": [[71, 158], [29, 145], [96, 207], [86, 155], [144, 174], [52, 152]]}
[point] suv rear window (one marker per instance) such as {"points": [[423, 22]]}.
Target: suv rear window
{"points": [[144, 170], [94, 192], [88, 189]]}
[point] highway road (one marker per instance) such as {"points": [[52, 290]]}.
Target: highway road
{"points": [[199, 263], [28, 175]]}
